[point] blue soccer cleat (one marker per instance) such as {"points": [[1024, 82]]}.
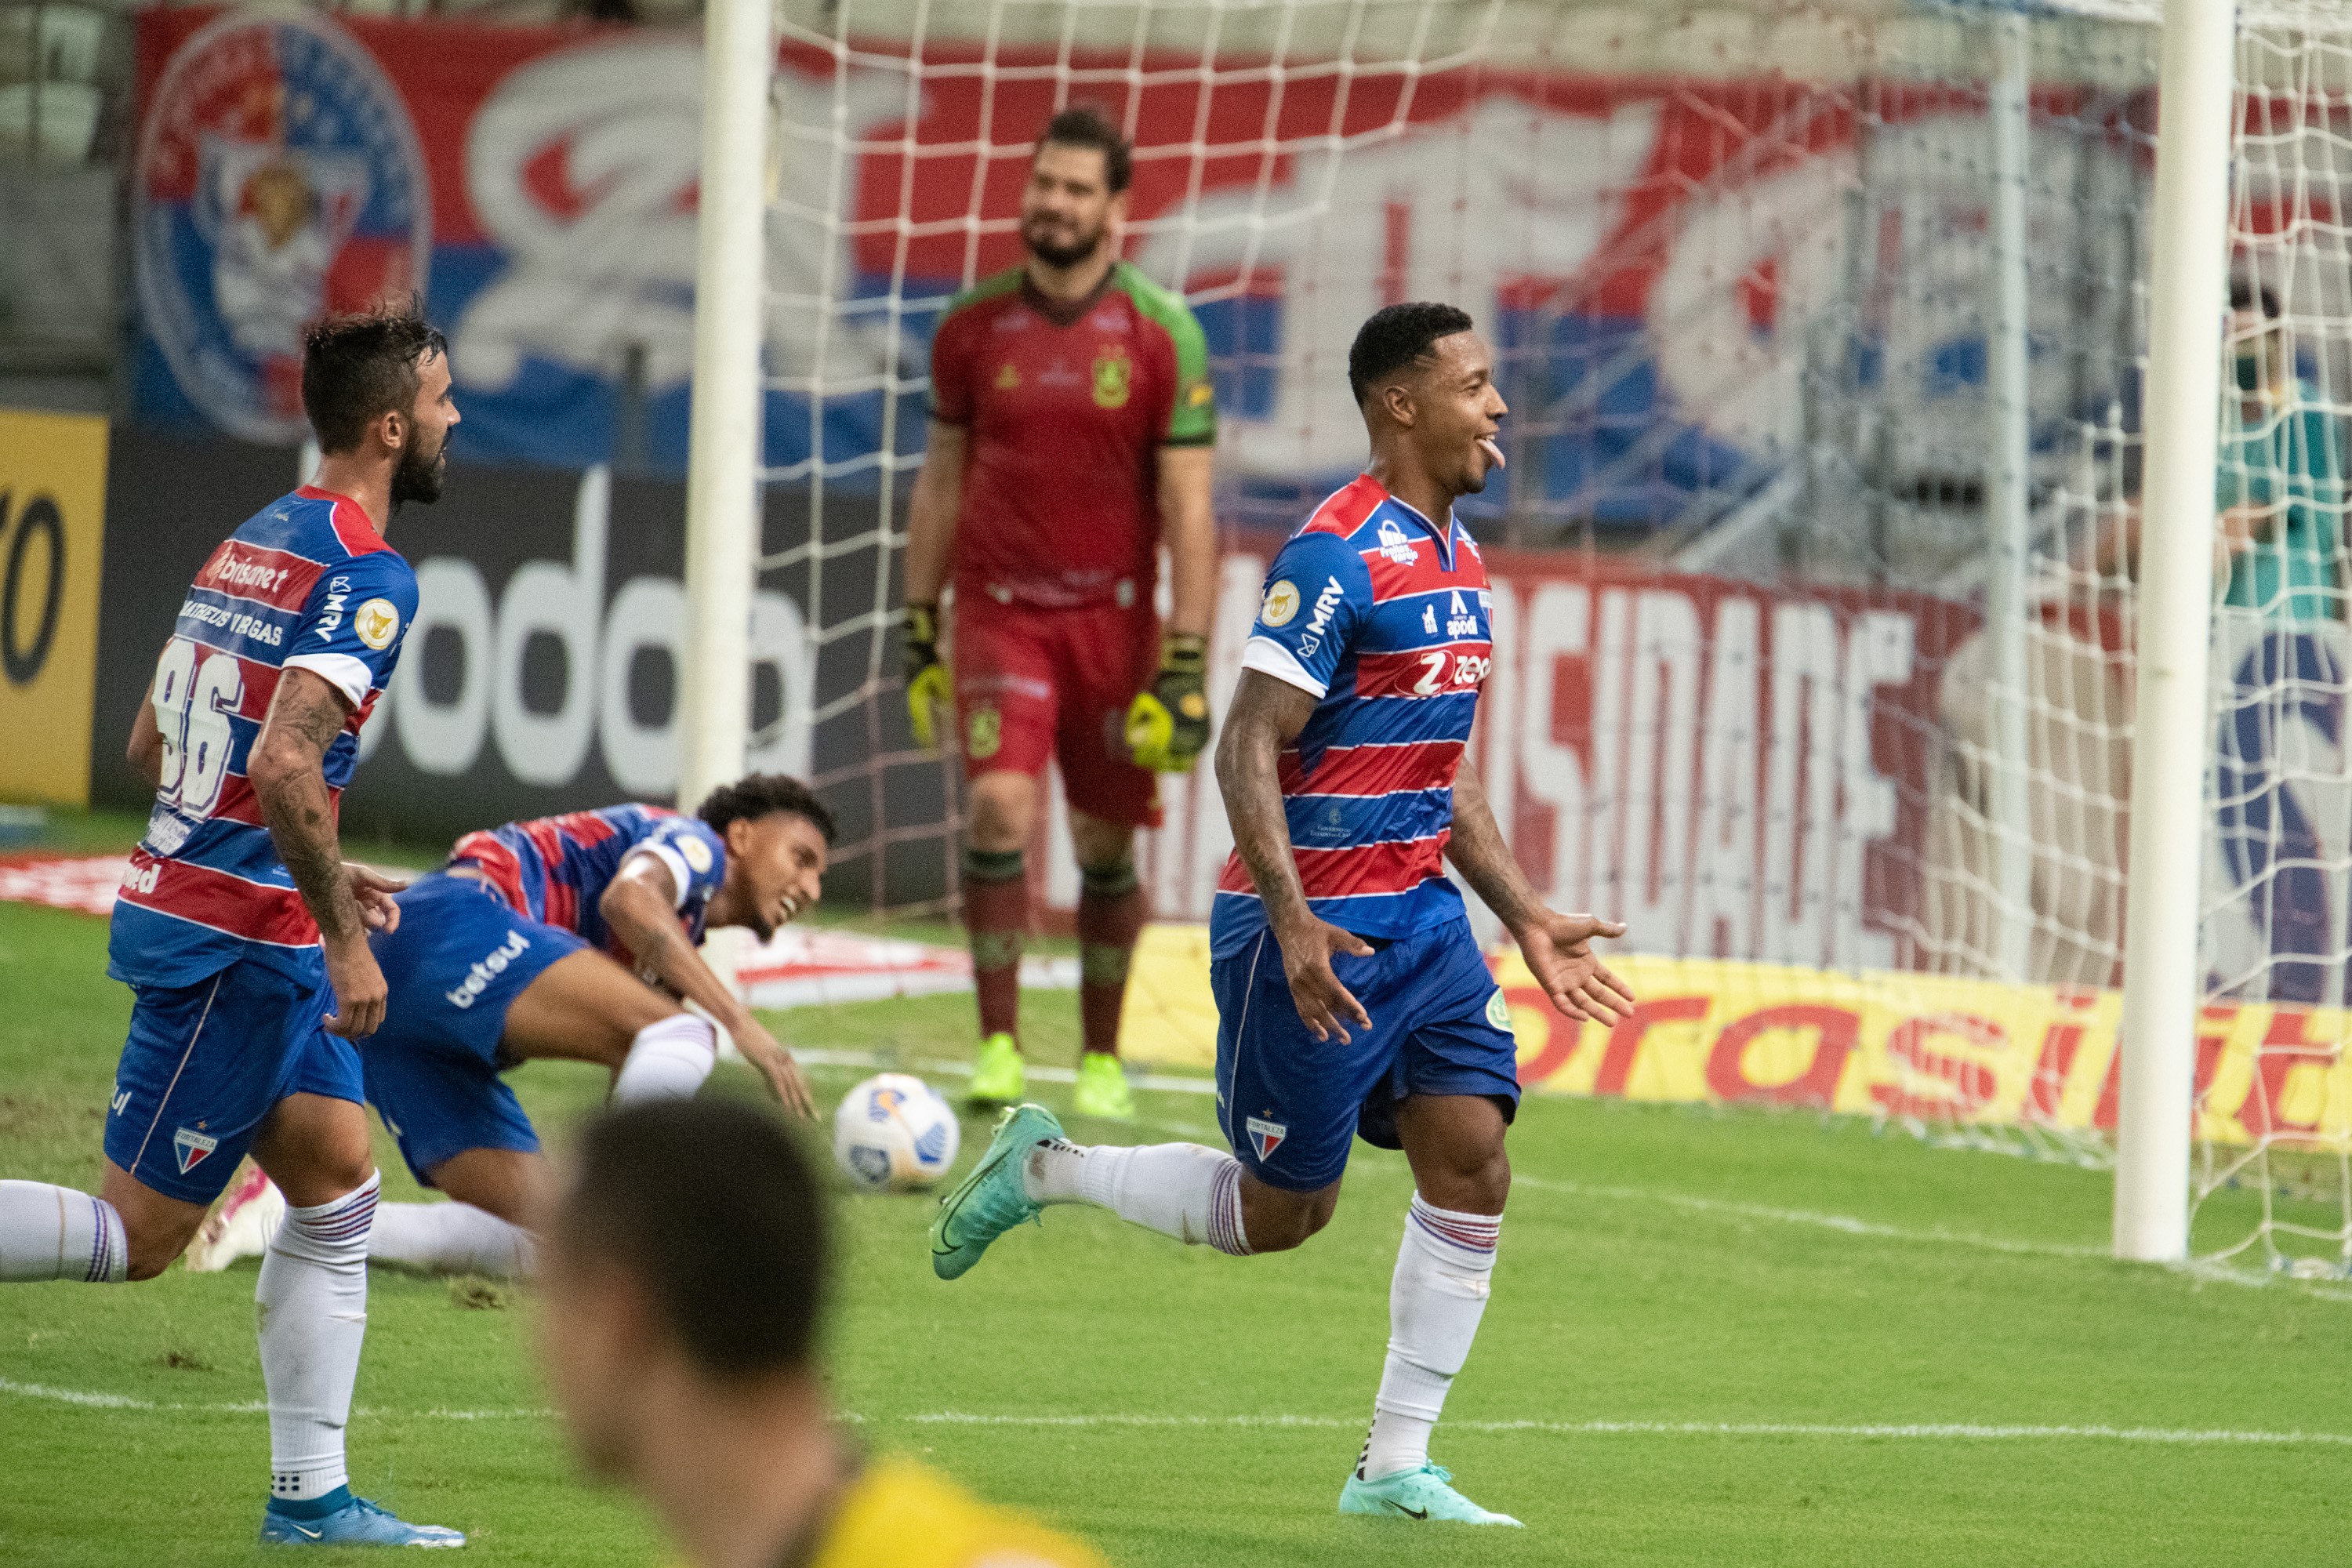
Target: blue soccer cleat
{"points": [[358, 1523], [993, 1198], [1427, 1493]]}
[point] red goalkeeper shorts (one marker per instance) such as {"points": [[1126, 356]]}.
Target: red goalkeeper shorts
{"points": [[1032, 683]]}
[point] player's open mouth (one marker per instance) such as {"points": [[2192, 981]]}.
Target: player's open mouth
{"points": [[1487, 444]]}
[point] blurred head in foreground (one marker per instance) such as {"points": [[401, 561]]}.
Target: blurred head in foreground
{"points": [[683, 1277]]}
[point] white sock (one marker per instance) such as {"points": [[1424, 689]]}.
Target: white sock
{"points": [[450, 1238], [667, 1061], [312, 1296], [1185, 1190], [1436, 1299], [57, 1233]]}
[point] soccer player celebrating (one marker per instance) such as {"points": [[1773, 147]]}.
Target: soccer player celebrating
{"points": [[687, 1273], [1351, 995], [243, 934], [1071, 423], [496, 961]]}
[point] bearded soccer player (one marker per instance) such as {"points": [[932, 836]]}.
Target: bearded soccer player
{"points": [[243, 934], [1351, 998], [1072, 425], [569, 939]]}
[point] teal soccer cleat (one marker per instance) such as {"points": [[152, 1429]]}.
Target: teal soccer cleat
{"points": [[357, 1522], [1427, 1493], [993, 1199]]}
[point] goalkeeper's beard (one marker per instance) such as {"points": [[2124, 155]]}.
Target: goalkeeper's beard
{"points": [[1036, 236]]}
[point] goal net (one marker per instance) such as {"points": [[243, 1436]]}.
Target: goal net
{"points": [[1824, 332]]}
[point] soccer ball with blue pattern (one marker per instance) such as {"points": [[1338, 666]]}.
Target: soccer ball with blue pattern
{"points": [[894, 1132]]}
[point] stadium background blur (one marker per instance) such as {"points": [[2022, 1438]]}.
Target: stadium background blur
{"points": [[1813, 633]]}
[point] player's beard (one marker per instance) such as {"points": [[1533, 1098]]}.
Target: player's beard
{"points": [[418, 478], [1056, 255]]}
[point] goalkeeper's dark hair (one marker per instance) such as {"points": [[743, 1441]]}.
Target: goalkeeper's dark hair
{"points": [[357, 367], [711, 1205], [2245, 294], [1397, 336], [755, 795], [1084, 125]]}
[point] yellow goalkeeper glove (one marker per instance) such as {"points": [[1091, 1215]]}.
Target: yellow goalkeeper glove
{"points": [[928, 691], [1168, 723]]}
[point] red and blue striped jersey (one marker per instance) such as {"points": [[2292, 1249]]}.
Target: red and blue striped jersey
{"points": [[1383, 615], [305, 583], [553, 869]]}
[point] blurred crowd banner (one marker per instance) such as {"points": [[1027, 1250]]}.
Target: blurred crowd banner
{"points": [[1657, 241], [52, 516]]}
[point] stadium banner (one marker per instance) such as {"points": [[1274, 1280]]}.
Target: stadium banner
{"points": [[539, 183], [52, 520], [1932, 1049]]}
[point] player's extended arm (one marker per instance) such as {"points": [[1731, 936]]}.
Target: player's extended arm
{"points": [[145, 751], [930, 537], [1167, 722], [1266, 716], [1558, 948], [287, 768], [640, 905]]}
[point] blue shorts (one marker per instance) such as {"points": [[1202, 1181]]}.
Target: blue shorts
{"points": [[1289, 1103], [204, 1063], [456, 963]]}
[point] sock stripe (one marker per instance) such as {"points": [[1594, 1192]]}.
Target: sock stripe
{"points": [[1471, 1233], [1225, 1210], [103, 1243], [341, 1224]]}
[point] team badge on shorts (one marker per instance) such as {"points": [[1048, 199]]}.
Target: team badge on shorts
{"points": [[983, 733], [1265, 1136], [279, 178], [192, 1147], [1499, 1012], [1114, 377], [1281, 604]]}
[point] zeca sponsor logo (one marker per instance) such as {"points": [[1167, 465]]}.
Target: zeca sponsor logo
{"points": [[30, 607], [487, 968], [443, 725]]}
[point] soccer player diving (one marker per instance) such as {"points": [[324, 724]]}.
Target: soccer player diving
{"points": [[572, 939], [1072, 427], [242, 933], [1351, 997]]}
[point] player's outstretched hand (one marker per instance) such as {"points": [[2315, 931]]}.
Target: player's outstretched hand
{"points": [[1559, 951], [358, 986], [1322, 1002], [775, 1064], [373, 891]]}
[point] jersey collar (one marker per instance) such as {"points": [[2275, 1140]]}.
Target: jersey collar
{"points": [[1065, 312], [1444, 536]]}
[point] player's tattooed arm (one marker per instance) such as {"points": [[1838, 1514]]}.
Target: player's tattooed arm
{"points": [[1267, 715], [287, 771], [640, 906], [1558, 948]]}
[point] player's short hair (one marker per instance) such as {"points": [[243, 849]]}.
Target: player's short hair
{"points": [[359, 367], [2247, 295], [1396, 336], [755, 795], [711, 1205], [1084, 125]]}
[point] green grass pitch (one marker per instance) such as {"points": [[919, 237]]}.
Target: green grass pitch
{"points": [[1714, 1338]]}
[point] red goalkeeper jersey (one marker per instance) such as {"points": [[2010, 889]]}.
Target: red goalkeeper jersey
{"points": [[1067, 407]]}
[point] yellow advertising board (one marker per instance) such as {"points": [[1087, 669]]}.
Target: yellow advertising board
{"points": [[1918, 1048], [52, 524]]}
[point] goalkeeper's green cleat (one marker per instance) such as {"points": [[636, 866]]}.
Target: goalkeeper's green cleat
{"points": [[1102, 1088], [993, 1198], [998, 1077], [1427, 1493]]}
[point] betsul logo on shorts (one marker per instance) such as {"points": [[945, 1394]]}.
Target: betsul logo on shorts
{"points": [[487, 968], [279, 178]]}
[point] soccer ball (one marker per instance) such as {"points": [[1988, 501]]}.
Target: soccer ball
{"points": [[894, 1132]]}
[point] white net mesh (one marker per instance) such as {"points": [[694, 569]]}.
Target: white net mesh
{"points": [[1757, 643]]}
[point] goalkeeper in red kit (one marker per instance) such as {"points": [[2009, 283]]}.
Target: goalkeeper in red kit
{"points": [[1072, 426]]}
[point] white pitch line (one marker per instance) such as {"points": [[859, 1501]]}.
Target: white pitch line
{"points": [[821, 1056], [90, 1400], [1947, 1431]]}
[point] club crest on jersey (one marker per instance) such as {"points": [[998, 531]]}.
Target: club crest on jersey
{"points": [[1114, 377], [1281, 604], [377, 623], [192, 1148], [1008, 379], [983, 735], [1265, 1136]]}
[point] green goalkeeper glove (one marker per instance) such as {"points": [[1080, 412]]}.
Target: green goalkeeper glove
{"points": [[1168, 725], [928, 691]]}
